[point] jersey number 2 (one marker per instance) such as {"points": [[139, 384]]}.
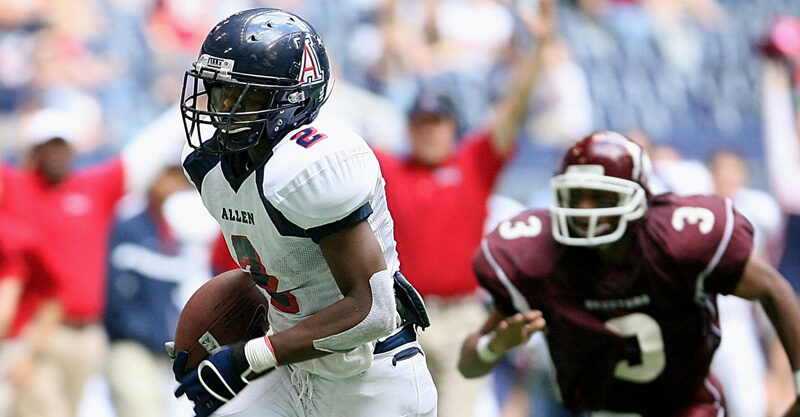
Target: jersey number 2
{"points": [[249, 259], [651, 345], [308, 137]]}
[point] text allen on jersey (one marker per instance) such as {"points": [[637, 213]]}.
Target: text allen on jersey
{"points": [[240, 216]]}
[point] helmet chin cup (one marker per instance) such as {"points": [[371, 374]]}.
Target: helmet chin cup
{"points": [[240, 139], [564, 220]]}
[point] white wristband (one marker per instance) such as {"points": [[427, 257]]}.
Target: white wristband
{"points": [[797, 382], [482, 349], [259, 354]]}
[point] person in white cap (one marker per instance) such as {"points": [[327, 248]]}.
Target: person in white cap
{"points": [[73, 209], [51, 133]]}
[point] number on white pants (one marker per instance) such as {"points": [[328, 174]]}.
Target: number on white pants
{"points": [[651, 345]]}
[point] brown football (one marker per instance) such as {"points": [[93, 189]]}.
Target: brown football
{"points": [[227, 309]]}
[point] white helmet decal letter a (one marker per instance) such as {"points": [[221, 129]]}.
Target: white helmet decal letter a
{"points": [[310, 71]]}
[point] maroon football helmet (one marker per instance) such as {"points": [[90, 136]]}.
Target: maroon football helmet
{"points": [[608, 164]]}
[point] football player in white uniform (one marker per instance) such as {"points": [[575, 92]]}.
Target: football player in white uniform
{"points": [[301, 202]]}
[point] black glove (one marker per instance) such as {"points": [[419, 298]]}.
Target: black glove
{"points": [[205, 386]]}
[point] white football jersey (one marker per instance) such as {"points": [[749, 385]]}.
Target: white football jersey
{"points": [[321, 177]]}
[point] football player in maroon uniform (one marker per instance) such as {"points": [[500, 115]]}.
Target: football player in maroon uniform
{"points": [[624, 284]]}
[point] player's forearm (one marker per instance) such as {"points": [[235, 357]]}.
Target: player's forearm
{"points": [[10, 292], [157, 146], [781, 306], [499, 334], [782, 144], [511, 110], [358, 318], [760, 281], [5, 322], [470, 364], [47, 318], [297, 343]]}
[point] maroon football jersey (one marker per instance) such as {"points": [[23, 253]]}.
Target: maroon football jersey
{"points": [[637, 337]]}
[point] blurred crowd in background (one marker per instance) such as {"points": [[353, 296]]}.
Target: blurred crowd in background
{"points": [[705, 85]]}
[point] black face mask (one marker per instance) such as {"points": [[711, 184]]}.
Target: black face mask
{"points": [[240, 113]]}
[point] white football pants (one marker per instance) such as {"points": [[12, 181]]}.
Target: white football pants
{"points": [[394, 386]]}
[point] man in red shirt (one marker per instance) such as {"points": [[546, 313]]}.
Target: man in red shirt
{"points": [[438, 198], [74, 209], [29, 311]]}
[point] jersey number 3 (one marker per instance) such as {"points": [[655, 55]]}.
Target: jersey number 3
{"points": [[701, 216], [249, 259], [651, 345], [530, 228]]}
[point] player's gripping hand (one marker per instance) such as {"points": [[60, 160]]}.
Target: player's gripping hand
{"points": [[215, 381], [223, 374], [516, 330], [204, 403]]}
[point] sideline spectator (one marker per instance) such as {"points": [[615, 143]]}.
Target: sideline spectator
{"points": [[671, 171], [29, 311], [442, 189], [731, 175], [143, 275], [782, 151], [680, 175], [782, 145], [75, 209]]}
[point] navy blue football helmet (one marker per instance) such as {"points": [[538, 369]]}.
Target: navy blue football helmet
{"points": [[260, 73]]}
